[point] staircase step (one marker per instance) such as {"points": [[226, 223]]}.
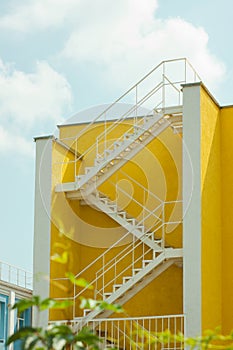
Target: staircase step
{"points": [[107, 152], [107, 295], [87, 169], [117, 144], [131, 221], [116, 287], [86, 312], [98, 160], [135, 271], [126, 279], [141, 228], [78, 178], [113, 207], [122, 214], [103, 200], [146, 262], [101, 171], [127, 136]]}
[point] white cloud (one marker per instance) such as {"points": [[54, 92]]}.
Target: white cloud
{"points": [[26, 99], [130, 42], [124, 37], [28, 102], [42, 14], [10, 143]]}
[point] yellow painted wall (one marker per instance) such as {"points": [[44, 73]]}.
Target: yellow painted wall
{"points": [[211, 242], [86, 233], [227, 216]]}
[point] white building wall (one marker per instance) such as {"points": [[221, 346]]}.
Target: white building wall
{"points": [[192, 209], [42, 223]]}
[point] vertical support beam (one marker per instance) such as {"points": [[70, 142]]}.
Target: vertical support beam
{"points": [[42, 223], [192, 209], [11, 316]]}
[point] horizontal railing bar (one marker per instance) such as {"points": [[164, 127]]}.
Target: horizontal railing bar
{"points": [[98, 320]]}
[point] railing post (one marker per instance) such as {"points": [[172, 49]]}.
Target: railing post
{"points": [[75, 158], [103, 275], [163, 87], [74, 300], [136, 105], [9, 275], [117, 192], [144, 205], [185, 70], [115, 270], [133, 252], [163, 225], [105, 132]]}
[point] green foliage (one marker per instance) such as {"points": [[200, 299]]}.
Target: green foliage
{"points": [[61, 336], [80, 282], [100, 305], [41, 305], [57, 336], [60, 258], [211, 339]]}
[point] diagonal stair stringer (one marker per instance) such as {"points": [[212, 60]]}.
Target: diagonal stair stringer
{"points": [[131, 225], [168, 254], [116, 157]]}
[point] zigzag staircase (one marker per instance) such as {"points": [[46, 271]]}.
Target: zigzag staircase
{"points": [[119, 152], [147, 251]]}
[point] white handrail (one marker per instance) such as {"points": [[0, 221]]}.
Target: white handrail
{"points": [[133, 332], [121, 273], [166, 81], [15, 275]]}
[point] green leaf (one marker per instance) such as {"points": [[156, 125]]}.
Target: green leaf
{"points": [[59, 344], [51, 303], [25, 304], [99, 305], [81, 282], [22, 334], [59, 329], [88, 303], [103, 305], [30, 343], [87, 336], [60, 258]]}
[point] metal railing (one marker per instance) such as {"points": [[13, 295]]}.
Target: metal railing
{"points": [[14, 275], [106, 270], [133, 333], [158, 89], [110, 268]]}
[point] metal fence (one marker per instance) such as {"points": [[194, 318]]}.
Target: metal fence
{"points": [[14, 275], [134, 333]]}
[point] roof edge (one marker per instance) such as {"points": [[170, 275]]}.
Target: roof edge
{"points": [[45, 137]]}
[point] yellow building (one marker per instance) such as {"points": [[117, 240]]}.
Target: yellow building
{"points": [[138, 202]]}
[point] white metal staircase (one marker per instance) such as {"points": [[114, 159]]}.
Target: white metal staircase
{"points": [[146, 226], [119, 152], [147, 256], [132, 225], [137, 279]]}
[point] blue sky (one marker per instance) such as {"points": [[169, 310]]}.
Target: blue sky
{"points": [[60, 56]]}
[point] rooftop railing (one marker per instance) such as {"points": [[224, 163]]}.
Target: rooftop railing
{"points": [[16, 276]]}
